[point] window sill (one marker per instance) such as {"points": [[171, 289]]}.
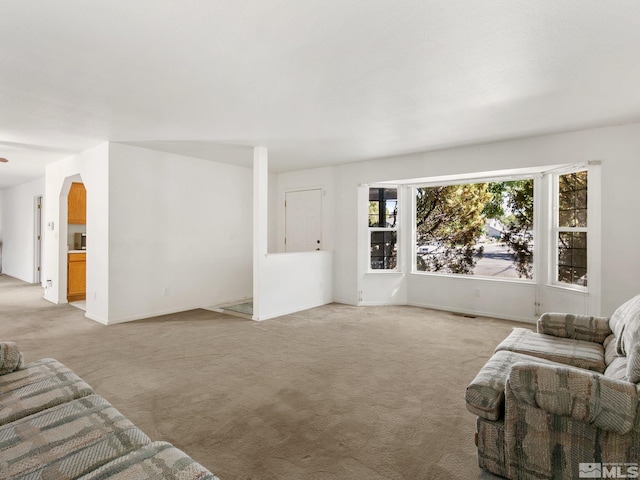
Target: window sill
{"points": [[569, 288], [522, 281], [384, 272]]}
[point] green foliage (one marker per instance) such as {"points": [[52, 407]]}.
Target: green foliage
{"points": [[519, 225], [451, 218], [494, 207], [374, 212]]}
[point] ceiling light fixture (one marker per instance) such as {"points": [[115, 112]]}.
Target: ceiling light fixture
{"points": [[3, 160]]}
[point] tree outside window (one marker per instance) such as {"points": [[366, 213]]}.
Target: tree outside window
{"points": [[572, 228], [457, 225]]}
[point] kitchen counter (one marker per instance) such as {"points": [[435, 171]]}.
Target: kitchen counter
{"points": [[77, 251]]}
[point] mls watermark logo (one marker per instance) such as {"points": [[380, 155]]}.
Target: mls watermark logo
{"points": [[590, 470], [608, 470]]}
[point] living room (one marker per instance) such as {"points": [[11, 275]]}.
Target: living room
{"points": [[190, 215]]}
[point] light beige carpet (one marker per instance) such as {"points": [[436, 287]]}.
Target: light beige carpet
{"points": [[333, 393]]}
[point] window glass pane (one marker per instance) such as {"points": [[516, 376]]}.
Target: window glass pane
{"points": [[566, 218], [391, 213], [383, 207], [476, 229], [581, 196], [572, 200], [572, 258], [384, 253], [374, 213]]}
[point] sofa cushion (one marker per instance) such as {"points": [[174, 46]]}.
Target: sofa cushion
{"points": [[632, 347], [485, 394], [10, 357], [67, 441], [610, 349], [36, 387], [617, 369], [625, 324], [579, 327], [577, 353], [156, 461], [624, 314]]}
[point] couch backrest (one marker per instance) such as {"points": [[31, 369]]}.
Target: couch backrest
{"points": [[625, 324]]}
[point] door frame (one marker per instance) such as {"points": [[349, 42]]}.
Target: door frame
{"points": [[38, 218], [63, 228]]}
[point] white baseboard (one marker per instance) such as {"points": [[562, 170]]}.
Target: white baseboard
{"points": [[290, 311], [380, 304], [475, 313], [97, 319]]}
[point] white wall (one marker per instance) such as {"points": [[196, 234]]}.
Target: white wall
{"points": [[617, 147], [180, 233], [318, 178], [92, 168], [18, 229], [295, 281], [289, 282], [161, 223]]}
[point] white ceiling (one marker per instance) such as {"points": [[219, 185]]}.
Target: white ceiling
{"points": [[319, 82]]}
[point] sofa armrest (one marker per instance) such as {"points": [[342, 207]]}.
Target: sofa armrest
{"points": [[578, 327], [10, 357], [582, 395]]}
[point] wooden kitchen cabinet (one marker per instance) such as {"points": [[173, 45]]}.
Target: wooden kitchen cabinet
{"points": [[77, 277], [77, 204]]}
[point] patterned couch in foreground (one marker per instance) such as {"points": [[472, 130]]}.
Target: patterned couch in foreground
{"points": [[54, 426], [562, 403]]}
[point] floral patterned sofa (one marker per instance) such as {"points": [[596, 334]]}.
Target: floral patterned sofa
{"points": [[54, 426], [562, 402]]}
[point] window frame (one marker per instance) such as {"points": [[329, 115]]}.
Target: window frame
{"points": [[556, 230], [537, 221], [396, 229]]}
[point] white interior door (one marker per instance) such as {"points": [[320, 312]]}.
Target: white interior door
{"points": [[303, 221]]}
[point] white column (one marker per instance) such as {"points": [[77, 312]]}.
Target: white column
{"points": [[260, 225]]}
